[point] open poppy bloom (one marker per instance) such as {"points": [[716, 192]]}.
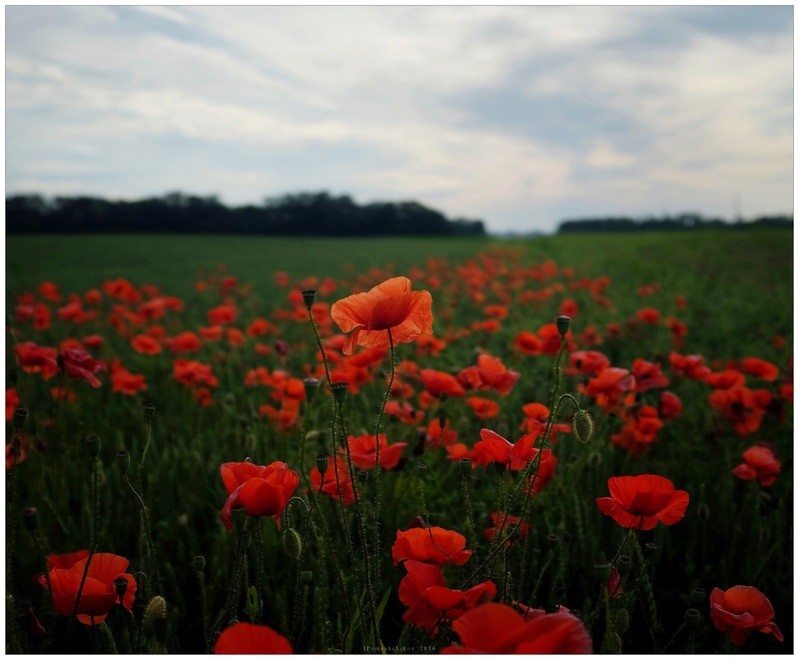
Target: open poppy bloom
{"points": [[78, 364], [643, 501], [99, 593], [499, 629], [363, 451], [432, 545], [261, 490], [424, 591], [493, 448], [740, 611], [388, 306], [249, 638], [759, 463]]}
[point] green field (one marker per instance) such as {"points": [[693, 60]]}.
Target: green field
{"points": [[737, 302]]}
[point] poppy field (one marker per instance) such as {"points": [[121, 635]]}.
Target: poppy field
{"points": [[566, 444]]}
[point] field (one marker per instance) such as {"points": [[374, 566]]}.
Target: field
{"points": [[152, 367]]}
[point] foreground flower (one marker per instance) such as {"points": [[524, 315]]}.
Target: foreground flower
{"points": [[261, 490], [643, 501], [363, 451], [388, 306], [249, 638], [500, 629], [740, 611], [759, 463], [432, 545], [99, 593]]}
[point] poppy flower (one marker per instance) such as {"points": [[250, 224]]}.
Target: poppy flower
{"points": [[424, 591], [124, 381], [335, 482], [488, 374], [261, 490], [692, 366], [759, 463], [432, 545], [647, 375], [66, 560], [388, 306], [499, 629], [741, 610], [546, 470], [37, 359], [610, 386], [222, 315], [725, 380], [78, 364], [648, 315], [251, 639], [483, 408], [439, 383], [642, 424], [493, 448], [504, 522], [744, 408], [587, 363], [536, 418], [436, 435], [528, 343], [99, 593], [185, 342], [363, 451], [12, 401], [670, 405], [760, 368], [643, 501]]}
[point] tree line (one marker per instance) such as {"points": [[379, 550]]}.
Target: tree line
{"points": [[302, 214], [669, 223]]}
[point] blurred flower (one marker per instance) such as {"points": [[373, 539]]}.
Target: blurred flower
{"points": [[251, 639], [759, 463]]}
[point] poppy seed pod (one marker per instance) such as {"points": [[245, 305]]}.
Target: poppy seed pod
{"points": [[121, 587], [624, 565], [698, 595], [309, 297], [339, 390], [311, 387], [199, 563], [306, 577], [93, 446], [20, 415], [149, 412], [123, 460], [322, 463], [693, 618], [154, 615], [553, 540], [563, 322], [465, 466]]}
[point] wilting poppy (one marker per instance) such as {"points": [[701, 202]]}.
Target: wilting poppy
{"points": [[759, 463], [432, 545], [261, 490], [643, 501], [424, 591], [740, 610], [388, 306], [249, 638], [99, 593], [499, 629]]}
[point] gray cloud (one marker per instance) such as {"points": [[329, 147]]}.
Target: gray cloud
{"points": [[520, 115]]}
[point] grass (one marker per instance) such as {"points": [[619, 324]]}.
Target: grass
{"points": [[738, 288]]}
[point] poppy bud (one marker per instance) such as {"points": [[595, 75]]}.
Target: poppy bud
{"points": [[149, 412], [563, 322], [306, 577], [309, 297], [339, 390], [418, 522], [693, 618], [121, 587], [123, 460], [622, 621], [20, 415], [624, 564], [292, 543], [465, 466], [583, 425], [594, 459], [698, 595], [154, 615], [703, 511], [321, 464], [199, 563], [311, 387], [421, 468], [30, 517], [362, 475], [514, 531], [93, 446], [613, 643]]}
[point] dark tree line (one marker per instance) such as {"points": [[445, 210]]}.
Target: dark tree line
{"points": [[668, 223], [303, 214]]}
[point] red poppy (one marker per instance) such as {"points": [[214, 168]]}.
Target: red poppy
{"points": [[643, 501], [492, 447], [437, 435], [99, 593], [363, 451], [124, 381], [37, 359], [610, 386], [759, 463], [546, 470], [670, 405], [251, 639], [439, 383], [431, 545], [642, 424], [49, 290], [483, 408], [536, 417], [423, 590], [760, 368], [335, 482], [506, 522], [648, 315], [66, 560], [78, 364], [740, 610], [185, 342], [528, 343], [692, 366], [193, 374], [489, 373], [744, 408], [499, 629], [12, 401], [388, 306], [587, 363], [261, 490], [222, 315], [724, 380], [647, 375]]}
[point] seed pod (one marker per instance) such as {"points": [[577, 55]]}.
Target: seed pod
{"points": [[624, 565], [563, 322], [322, 463], [20, 415], [121, 587], [149, 412], [199, 563], [339, 390], [311, 387], [309, 297], [93, 446], [583, 425], [693, 618], [613, 643], [123, 460]]}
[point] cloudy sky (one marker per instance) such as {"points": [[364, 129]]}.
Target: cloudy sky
{"points": [[521, 116]]}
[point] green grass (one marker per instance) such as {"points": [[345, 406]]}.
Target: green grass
{"points": [[739, 290]]}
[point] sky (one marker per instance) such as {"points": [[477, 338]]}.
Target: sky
{"points": [[521, 116]]}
